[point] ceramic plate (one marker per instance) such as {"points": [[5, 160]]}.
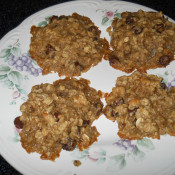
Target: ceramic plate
{"points": [[110, 155]]}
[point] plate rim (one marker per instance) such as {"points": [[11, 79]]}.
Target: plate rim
{"points": [[12, 162]]}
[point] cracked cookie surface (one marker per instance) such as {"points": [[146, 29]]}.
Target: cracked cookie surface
{"points": [[68, 45], [59, 116], [142, 105], [141, 40]]}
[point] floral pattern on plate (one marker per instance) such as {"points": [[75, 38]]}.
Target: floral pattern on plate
{"points": [[108, 16], [97, 159], [114, 163], [11, 68]]}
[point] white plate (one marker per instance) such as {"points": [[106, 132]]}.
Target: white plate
{"points": [[110, 155]]}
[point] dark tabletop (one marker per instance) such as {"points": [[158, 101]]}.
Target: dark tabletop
{"points": [[13, 12]]}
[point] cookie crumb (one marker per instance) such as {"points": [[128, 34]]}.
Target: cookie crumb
{"points": [[77, 163]]}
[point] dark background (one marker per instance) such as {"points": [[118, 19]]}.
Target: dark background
{"points": [[13, 12]]}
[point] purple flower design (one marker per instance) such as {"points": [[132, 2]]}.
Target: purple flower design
{"points": [[171, 83], [125, 145]]}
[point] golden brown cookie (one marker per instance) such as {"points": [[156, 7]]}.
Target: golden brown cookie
{"points": [[59, 116], [142, 106], [68, 45], [141, 40]]}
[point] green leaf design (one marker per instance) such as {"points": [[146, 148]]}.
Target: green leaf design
{"points": [[12, 103], [14, 139], [8, 83], [16, 51], [104, 20], [15, 77], [118, 15], [137, 154], [102, 152], [6, 59], [47, 18], [42, 24], [166, 73], [23, 98], [146, 143], [4, 53], [26, 77], [21, 91], [28, 53], [3, 77], [116, 163], [165, 78], [80, 154], [101, 160], [4, 69], [34, 62]]}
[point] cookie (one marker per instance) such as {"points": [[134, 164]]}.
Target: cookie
{"points": [[67, 45], [142, 105], [141, 40], [59, 116]]}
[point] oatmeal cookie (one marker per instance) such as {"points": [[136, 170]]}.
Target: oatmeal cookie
{"points": [[142, 105], [141, 40], [68, 45], [59, 116]]}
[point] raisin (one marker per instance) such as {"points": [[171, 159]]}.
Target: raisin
{"points": [[61, 94], [114, 114], [133, 111], [70, 146], [113, 59], [159, 28], [62, 17], [137, 30], [78, 130], [93, 29], [98, 105], [98, 112], [120, 102], [110, 112], [30, 109], [129, 20], [18, 123], [49, 48], [77, 64], [86, 122], [163, 85], [51, 19], [53, 55], [56, 116], [164, 60], [95, 38]]}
